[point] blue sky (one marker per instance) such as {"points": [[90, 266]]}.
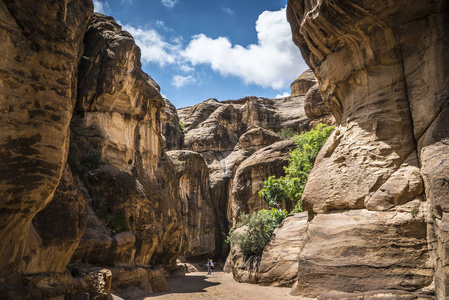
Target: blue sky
{"points": [[201, 49]]}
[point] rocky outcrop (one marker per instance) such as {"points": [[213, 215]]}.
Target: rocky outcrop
{"points": [[197, 210], [251, 174], [380, 66], [41, 46], [315, 108], [303, 83], [278, 265]]}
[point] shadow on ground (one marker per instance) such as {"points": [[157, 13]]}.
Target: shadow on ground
{"points": [[192, 283]]}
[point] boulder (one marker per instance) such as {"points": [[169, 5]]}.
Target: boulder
{"points": [[361, 250], [279, 262], [42, 44]]}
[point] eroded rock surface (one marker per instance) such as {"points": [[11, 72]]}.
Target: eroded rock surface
{"points": [[383, 73], [41, 46], [197, 209], [303, 83]]}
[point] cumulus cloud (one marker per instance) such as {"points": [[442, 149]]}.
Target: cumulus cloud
{"points": [[285, 94], [180, 81], [154, 47], [272, 62], [102, 7], [169, 3]]}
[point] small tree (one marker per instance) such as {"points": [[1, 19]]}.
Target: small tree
{"points": [[300, 164]]}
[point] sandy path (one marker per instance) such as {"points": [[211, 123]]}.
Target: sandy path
{"points": [[219, 285]]}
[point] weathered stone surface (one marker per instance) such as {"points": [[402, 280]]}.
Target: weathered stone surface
{"points": [[130, 283], [41, 46], [243, 269], [170, 127], [303, 83], [157, 280], [197, 210], [118, 116], [279, 262], [56, 231], [383, 73], [251, 175], [362, 250], [315, 108]]}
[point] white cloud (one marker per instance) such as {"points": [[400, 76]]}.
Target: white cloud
{"points": [[102, 7], [273, 62], [153, 46], [228, 10], [161, 24], [285, 94], [169, 3], [180, 81]]}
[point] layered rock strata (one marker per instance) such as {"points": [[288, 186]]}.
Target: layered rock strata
{"points": [[382, 72], [42, 45]]}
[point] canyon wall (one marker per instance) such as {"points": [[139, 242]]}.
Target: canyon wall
{"points": [[42, 43], [382, 70]]}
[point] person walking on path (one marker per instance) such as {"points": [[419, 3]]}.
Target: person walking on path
{"points": [[209, 266]]}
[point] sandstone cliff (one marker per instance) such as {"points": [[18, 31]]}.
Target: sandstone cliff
{"points": [[117, 115], [382, 70], [118, 177]]}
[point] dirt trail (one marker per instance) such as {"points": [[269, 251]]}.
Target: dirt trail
{"points": [[219, 285]]}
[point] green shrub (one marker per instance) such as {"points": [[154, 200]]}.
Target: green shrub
{"points": [[90, 160], [300, 164], [112, 220], [116, 222], [182, 127], [261, 225]]}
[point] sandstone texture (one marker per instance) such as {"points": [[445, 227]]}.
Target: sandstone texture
{"points": [[170, 127], [41, 46], [226, 134], [197, 209], [382, 71], [303, 83], [278, 265]]}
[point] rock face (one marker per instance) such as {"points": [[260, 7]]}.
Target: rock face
{"points": [[170, 127], [197, 210], [315, 108], [278, 265], [251, 174], [41, 47], [226, 134], [382, 72], [116, 137], [303, 83]]}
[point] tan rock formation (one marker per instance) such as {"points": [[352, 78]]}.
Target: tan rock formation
{"points": [[226, 133], [303, 83], [315, 108], [340, 253], [170, 127], [41, 46], [279, 262], [380, 66], [118, 116], [56, 230], [197, 210], [251, 174]]}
